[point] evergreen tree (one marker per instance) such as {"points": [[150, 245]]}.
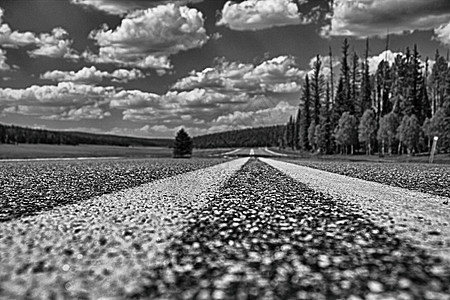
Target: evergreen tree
{"points": [[438, 82], [317, 87], [324, 141], [297, 127], [305, 119], [312, 135], [183, 144], [354, 92], [387, 133], [366, 86], [367, 129]]}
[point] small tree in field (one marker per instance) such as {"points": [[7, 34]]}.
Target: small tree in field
{"points": [[182, 146]]}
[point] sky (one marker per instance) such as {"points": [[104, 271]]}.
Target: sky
{"points": [[147, 68]]}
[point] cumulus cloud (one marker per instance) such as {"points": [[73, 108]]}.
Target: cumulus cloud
{"points": [[65, 101], [387, 56], [442, 34], [278, 75], [363, 18], [146, 38], [120, 7], [55, 44], [260, 14], [3, 65], [85, 75], [134, 99], [261, 117], [92, 75]]}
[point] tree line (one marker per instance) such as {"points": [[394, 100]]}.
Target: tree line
{"points": [[397, 109], [10, 134], [251, 137]]}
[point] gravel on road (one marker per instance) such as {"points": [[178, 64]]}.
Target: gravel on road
{"points": [[426, 178], [268, 236], [27, 188], [422, 218], [99, 247]]}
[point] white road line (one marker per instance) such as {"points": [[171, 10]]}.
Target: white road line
{"points": [[103, 244], [252, 152], [273, 152], [419, 217], [231, 152]]}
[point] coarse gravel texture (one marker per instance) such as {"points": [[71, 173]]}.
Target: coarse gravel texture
{"points": [[27, 188], [268, 236], [98, 248], [423, 219], [426, 178]]}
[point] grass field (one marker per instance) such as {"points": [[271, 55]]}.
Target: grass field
{"points": [[26, 151], [419, 158]]}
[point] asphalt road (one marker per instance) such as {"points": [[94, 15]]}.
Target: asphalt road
{"points": [[253, 152], [250, 228]]}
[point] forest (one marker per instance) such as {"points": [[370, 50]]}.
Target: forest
{"points": [[10, 134], [399, 109], [270, 136]]}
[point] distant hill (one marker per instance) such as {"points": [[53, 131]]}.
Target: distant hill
{"points": [[10, 134], [251, 137]]}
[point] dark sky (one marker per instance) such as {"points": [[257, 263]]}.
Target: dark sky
{"points": [[145, 68]]}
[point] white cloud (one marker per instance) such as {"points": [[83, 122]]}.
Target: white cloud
{"points": [[146, 38], [55, 44], [65, 101], [92, 75], [120, 7], [388, 56], [15, 39], [3, 65], [278, 75], [362, 18], [260, 14], [134, 99], [123, 75], [262, 117], [85, 75], [442, 34]]}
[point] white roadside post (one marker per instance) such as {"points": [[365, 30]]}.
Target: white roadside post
{"points": [[433, 149]]}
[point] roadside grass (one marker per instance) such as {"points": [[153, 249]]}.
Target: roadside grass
{"points": [[419, 158], [29, 151]]}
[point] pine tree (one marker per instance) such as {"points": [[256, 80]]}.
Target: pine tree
{"points": [[317, 88], [183, 144], [438, 81], [367, 129], [345, 75], [297, 127], [366, 86], [312, 135], [354, 92], [324, 141], [305, 120]]}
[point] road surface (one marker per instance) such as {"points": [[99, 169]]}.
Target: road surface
{"points": [[255, 152], [249, 228]]}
